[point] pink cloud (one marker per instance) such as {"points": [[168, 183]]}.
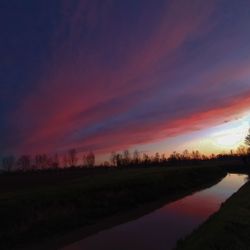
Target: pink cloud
{"points": [[79, 82]]}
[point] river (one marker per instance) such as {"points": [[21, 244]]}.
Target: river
{"points": [[162, 228]]}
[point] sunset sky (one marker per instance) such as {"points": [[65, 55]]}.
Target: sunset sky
{"points": [[109, 75]]}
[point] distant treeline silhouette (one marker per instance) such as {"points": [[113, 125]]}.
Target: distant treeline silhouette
{"points": [[44, 161], [124, 159]]}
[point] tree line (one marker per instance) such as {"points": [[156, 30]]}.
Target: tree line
{"points": [[122, 159], [44, 161], [126, 159]]}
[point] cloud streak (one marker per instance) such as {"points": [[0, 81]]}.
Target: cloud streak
{"points": [[123, 74]]}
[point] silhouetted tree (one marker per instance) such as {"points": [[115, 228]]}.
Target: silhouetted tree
{"points": [[24, 162], [163, 159], [247, 139], [72, 158], [212, 156], [8, 163], [89, 159], [126, 158], [204, 157], [196, 155], [42, 161], [186, 155], [136, 157], [242, 153], [65, 161], [241, 150], [174, 157], [156, 158], [146, 159], [113, 158], [118, 159]]}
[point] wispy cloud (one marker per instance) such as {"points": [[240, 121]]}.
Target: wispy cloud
{"points": [[112, 83]]}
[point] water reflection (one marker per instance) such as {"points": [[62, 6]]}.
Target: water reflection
{"points": [[162, 228]]}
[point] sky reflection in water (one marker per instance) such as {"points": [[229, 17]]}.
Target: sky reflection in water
{"points": [[162, 228]]}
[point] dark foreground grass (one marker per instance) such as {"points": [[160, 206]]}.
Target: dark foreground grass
{"points": [[48, 206], [228, 229]]}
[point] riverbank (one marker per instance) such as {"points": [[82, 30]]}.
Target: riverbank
{"points": [[30, 215], [229, 228]]}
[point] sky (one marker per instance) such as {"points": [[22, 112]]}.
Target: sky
{"points": [[109, 75]]}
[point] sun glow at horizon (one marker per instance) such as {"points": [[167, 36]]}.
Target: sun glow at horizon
{"points": [[219, 139], [231, 138]]}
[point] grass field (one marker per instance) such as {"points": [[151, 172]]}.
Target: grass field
{"points": [[228, 229], [36, 206]]}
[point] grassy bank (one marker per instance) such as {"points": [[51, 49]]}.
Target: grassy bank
{"points": [[40, 206], [229, 228]]}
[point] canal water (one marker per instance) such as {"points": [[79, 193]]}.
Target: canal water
{"points": [[162, 228]]}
